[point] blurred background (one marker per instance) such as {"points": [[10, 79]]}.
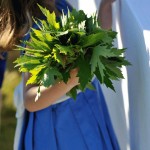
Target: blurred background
{"points": [[8, 120]]}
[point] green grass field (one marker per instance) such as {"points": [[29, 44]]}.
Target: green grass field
{"points": [[8, 120]]}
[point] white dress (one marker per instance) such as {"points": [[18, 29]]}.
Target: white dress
{"points": [[117, 102], [18, 102]]}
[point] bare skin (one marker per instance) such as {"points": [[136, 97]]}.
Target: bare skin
{"points": [[105, 14], [48, 95]]}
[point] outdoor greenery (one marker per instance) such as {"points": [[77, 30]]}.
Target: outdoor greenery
{"points": [[8, 120]]}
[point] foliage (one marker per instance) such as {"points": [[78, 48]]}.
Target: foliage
{"points": [[73, 41], [7, 111]]}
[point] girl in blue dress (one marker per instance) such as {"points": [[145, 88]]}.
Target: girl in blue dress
{"points": [[56, 121]]}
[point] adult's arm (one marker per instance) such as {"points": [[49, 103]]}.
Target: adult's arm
{"points": [[105, 14]]}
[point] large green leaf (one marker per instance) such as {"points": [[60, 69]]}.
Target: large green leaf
{"points": [[96, 61], [35, 73], [51, 17], [30, 50], [39, 44], [42, 36], [77, 16], [84, 73], [27, 60], [92, 39], [58, 56], [49, 76], [65, 49], [92, 24]]}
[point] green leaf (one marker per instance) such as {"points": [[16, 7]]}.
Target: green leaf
{"points": [[98, 75], [66, 76], [58, 57], [98, 52], [37, 70], [105, 52], [112, 34], [115, 70], [27, 60], [65, 49], [39, 44], [34, 79], [90, 86], [92, 24], [92, 39], [27, 67], [96, 61], [108, 83], [50, 75], [78, 16], [30, 50], [73, 93], [44, 25], [51, 17], [111, 74], [100, 59], [84, 72], [42, 36], [123, 62]]}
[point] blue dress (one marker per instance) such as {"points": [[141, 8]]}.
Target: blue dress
{"points": [[2, 67], [83, 124]]}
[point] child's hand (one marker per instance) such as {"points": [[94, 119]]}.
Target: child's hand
{"points": [[74, 80]]}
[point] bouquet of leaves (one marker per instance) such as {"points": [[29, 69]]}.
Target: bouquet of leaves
{"points": [[72, 41]]}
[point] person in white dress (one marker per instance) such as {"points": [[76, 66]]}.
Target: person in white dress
{"points": [[18, 102], [109, 16], [118, 102]]}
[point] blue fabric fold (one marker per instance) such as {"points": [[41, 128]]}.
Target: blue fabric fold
{"points": [[83, 124]]}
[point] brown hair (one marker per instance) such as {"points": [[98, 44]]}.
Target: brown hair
{"points": [[16, 19]]}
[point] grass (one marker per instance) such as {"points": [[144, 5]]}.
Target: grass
{"points": [[8, 124], [8, 120]]}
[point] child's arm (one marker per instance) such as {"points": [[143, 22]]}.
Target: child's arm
{"points": [[48, 95]]}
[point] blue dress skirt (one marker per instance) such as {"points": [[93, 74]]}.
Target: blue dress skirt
{"points": [[83, 124]]}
